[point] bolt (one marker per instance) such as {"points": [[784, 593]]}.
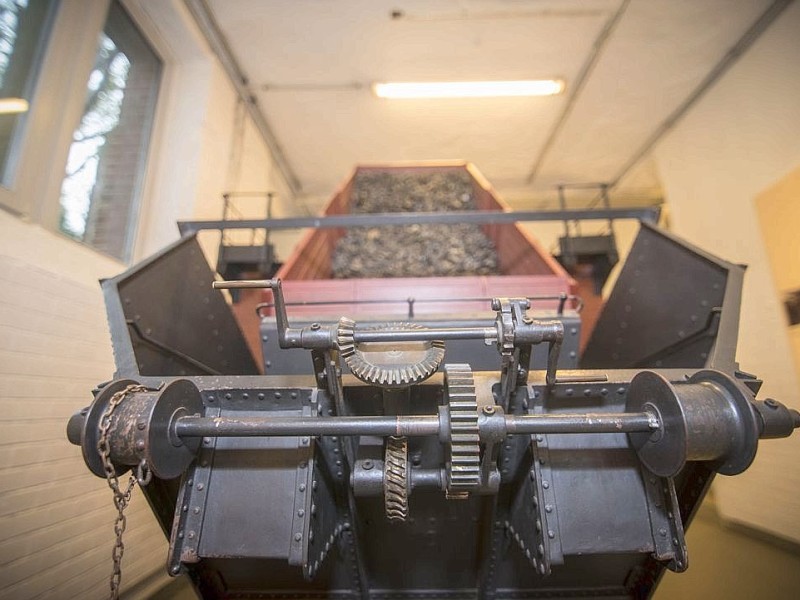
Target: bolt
{"points": [[298, 537], [315, 326], [662, 532], [771, 403], [367, 465], [140, 445], [488, 410], [141, 425]]}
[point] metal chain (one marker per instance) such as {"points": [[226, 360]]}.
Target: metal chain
{"points": [[121, 498]]}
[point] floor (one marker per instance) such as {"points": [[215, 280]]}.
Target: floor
{"points": [[728, 562]]}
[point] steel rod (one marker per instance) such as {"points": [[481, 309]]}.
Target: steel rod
{"points": [[647, 213], [422, 335], [407, 425], [311, 426], [585, 423]]}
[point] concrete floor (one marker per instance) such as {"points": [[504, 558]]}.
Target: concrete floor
{"points": [[725, 563], [731, 563]]}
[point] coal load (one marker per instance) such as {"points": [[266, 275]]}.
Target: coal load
{"points": [[413, 250]]}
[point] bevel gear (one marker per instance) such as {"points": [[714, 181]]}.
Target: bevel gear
{"points": [[390, 366], [464, 464]]}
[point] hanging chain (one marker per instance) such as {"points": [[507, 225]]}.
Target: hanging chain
{"points": [[121, 497]]}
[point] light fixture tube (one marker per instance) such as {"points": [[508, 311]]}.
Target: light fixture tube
{"points": [[10, 106], [468, 89]]}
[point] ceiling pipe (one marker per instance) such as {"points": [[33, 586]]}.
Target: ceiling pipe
{"points": [[210, 29]]}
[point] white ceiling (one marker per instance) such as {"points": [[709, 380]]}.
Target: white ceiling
{"points": [[306, 59]]}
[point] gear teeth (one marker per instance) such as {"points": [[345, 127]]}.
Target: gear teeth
{"points": [[463, 469], [390, 376], [395, 479]]}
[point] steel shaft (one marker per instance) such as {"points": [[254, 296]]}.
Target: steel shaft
{"points": [[406, 425]]}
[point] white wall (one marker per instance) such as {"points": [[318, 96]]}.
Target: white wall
{"points": [[740, 139], [55, 517]]}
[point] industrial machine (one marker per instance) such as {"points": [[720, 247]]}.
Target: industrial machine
{"points": [[397, 466]]}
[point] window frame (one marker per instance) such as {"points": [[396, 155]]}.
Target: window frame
{"points": [[119, 32], [56, 111]]}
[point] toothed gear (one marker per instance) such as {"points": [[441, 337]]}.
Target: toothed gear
{"points": [[400, 365], [463, 468], [395, 479]]}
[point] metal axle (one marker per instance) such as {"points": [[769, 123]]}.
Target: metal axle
{"points": [[406, 425]]}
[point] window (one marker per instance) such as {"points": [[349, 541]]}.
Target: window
{"points": [[24, 30], [100, 192]]}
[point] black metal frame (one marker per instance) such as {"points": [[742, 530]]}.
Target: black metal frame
{"points": [[587, 479], [647, 214]]}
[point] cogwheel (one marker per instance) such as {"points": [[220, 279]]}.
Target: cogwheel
{"points": [[389, 365], [395, 478], [463, 468]]}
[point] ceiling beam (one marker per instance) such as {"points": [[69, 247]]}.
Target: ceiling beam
{"points": [[204, 17], [749, 37], [577, 87]]}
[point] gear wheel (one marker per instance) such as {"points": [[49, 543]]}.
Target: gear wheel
{"points": [[463, 468], [395, 478], [394, 366]]}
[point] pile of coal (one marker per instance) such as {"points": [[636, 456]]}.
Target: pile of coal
{"points": [[413, 250]]}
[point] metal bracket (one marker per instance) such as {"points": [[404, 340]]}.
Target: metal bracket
{"points": [[301, 524], [533, 523], [666, 524], [190, 507], [548, 510]]}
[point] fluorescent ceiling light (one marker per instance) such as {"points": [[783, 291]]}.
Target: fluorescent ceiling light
{"points": [[10, 106], [469, 89]]}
